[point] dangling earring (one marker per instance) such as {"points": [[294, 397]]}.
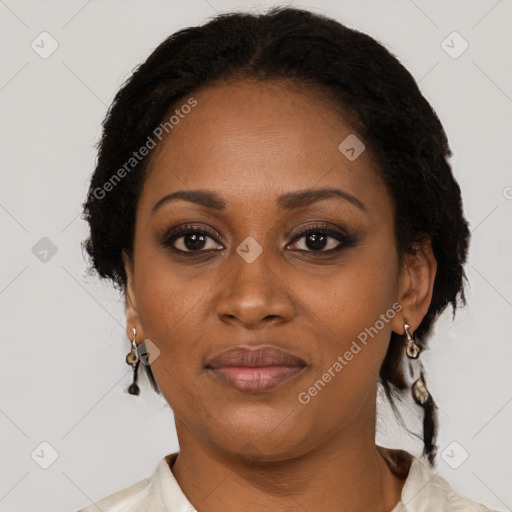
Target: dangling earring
{"points": [[133, 360], [413, 350], [421, 395], [418, 388]]}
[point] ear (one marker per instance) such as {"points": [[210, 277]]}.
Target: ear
{"points": [[415, 286], [132, 314]]}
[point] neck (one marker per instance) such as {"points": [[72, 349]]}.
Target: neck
{"points": [[346, 473]]}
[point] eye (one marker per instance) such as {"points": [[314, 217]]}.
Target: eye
{"points": [[317, 239], [323, 239], [190, 239]]}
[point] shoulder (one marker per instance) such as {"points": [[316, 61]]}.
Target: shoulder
{"points": [[154, 494], [426, 491], [121, 501]]}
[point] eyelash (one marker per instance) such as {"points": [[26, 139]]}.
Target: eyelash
{"points": [[345, 240]]}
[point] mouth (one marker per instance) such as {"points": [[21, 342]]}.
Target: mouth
{"points": [[255, 370]]}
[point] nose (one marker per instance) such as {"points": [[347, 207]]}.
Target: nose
{"points": [[254, 294]]}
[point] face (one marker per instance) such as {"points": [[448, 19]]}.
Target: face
{"points": [[232, 267]]}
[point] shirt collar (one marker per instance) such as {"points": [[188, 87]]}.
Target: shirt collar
{"points": [[423, 491]]}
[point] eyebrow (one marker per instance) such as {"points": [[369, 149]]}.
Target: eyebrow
{"points": [[288, 201]]}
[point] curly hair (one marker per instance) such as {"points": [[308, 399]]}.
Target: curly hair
{"points": [[360, 76]]}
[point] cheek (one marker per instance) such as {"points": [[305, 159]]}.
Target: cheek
{"points": [[165, 298], [353, 309], [169, 310], [167, 291], [170, 305], [350, 297], [356, 316]]}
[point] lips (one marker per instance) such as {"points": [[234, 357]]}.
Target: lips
{"points": [[254, 370]]}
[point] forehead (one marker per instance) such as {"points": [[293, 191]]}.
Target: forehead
{"points": [[257, 140]]}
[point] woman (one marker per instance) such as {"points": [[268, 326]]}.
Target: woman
{"points": [[273, 197]]}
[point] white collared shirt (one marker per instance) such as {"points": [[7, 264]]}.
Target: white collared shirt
{"points": [[423, 491]]}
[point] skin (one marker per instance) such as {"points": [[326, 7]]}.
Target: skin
{"points": [[251, 142]]}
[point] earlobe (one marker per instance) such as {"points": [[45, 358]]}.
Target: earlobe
{"points": [[416, 285], [132, 315]]}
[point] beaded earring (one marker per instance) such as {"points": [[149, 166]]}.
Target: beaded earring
{"points": [[133, 360], [419, 389]]}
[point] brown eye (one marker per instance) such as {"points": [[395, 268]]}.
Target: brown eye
{"points": [[319, 241], [323, 239], [191, 240]]}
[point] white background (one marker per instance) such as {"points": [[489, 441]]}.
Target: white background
{"points": [[62, 369]]}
